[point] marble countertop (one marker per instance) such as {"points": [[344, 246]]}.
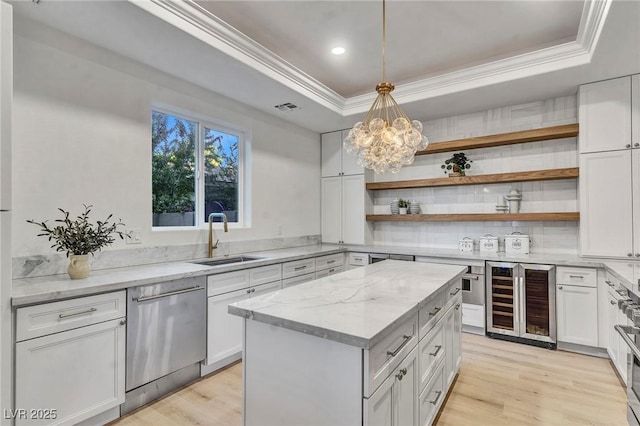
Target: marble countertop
{"points": [[27, 291], [358, 307]]}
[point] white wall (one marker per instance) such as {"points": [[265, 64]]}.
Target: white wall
{"points": [[548, 196], [82, 135]]}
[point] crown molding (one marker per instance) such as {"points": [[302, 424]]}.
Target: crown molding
{"points": [[206, 27], [201, 24]]}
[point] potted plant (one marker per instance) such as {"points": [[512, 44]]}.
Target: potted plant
{"points": [[79, 238], [457, 164], [403, 205]]}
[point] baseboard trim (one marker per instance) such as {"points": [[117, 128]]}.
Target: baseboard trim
{"points": [[583, 349]]}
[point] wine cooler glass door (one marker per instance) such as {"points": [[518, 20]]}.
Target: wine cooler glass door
{"points": [[502, 298], [537, 304]]}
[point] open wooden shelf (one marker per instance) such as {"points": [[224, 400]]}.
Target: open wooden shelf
{"points": [[530, 176], [535, 135], [477, 217]]}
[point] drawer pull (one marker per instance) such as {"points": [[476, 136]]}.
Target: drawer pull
{"points": [[609, 283], [435, 401], [455, 292], [332, 270], [458, 307], [167, 294], [438, 347], [577, 276], [88, 311], [359, 259], [402, 345], [331, 261], [401, 373], [435, 312], [298, 268], [123, 321]]}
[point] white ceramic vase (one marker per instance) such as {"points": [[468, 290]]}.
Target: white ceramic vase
{"points": [[403, 210], [78, 266], [394, 206]]}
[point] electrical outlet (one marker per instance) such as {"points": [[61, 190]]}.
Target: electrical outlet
{"points": [[136, 238], [278, 229]]}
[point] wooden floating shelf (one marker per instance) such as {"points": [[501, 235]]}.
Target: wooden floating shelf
{"points": [[535, 135], [530, 176], [477, 217]]}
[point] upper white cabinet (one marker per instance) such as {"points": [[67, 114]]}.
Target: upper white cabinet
{"points": [[610, 168], [605, 115], [335, 160]]}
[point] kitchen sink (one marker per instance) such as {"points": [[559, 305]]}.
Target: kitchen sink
{"points": [[227, 260]]}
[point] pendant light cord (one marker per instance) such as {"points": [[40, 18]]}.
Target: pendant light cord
{"points": [[384, 41]]}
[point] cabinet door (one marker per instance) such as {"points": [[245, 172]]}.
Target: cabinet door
{"points": [[224, 331], [331, 154], [349, 161], [332, 210], [449, 369], [265, 288], [353, 209], [79, 372], [635, 185], [635, 110], [605, 204], [577, 309], [612, 320], [406, 392], [605, 115], [378, 408], [457, 336]]}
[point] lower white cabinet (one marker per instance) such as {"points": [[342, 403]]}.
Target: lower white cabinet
{"points": [[616, 348], [290, 282], [395, 402], [453, 348], [77, 373], [432, 396], [224, 331], [577, 308]]}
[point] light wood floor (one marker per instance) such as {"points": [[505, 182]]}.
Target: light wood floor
{"points": [[500, 383]]}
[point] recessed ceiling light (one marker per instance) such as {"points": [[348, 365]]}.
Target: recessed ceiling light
{"points": [[338, 50]]}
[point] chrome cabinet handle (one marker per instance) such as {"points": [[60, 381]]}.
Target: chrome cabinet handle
{"points": [[88, 311], [402, 345], [297, 268], [331, 261], [630, 254], [357, 258], [613, 302], [628, 145], [170, 293], [577, 276], [455, 292], [438, 347], [609, 283], [637, 254], [248, 290], [401, 373], [123, 322], [457, 306], [560, 287], [435, 401], [435, 312], [636, 145]]}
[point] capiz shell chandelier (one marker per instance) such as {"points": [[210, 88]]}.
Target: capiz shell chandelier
{"points": [[387, 139]]}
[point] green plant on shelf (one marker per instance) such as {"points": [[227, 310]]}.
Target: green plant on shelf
{"points": [[458, 163], [403, 203]]}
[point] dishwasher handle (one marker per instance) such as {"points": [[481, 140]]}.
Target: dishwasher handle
{"points": [[167, 294]]}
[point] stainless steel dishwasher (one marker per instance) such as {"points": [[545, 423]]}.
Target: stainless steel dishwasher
{"points": [[166, 338]]}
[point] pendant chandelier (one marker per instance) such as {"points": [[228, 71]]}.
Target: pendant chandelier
{"points": [[386, 139]]}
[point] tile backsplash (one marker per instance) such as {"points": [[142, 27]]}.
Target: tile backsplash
{"points": [[547, 196]]}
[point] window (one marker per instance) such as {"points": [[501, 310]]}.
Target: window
{"points": [[196, 170]]}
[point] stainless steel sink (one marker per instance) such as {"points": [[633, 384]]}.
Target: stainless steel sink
{"points": [[227, 260]]}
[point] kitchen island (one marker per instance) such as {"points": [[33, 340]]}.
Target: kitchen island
{"points": [[375, 345]]}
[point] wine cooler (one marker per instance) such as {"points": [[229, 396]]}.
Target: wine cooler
{"points": [[521, 302]]}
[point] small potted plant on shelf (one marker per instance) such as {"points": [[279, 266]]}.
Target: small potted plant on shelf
{"points": [[457, 164], [79, 238], [403, 205]]}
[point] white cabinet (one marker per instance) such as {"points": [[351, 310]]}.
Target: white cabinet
{"points": [[577, 305], [224, 331], [453, 349], [617, 348], [344, 201], [300, 279], [605, 115], [610, 168], [79, 372], [335, 160], [395, 402]]}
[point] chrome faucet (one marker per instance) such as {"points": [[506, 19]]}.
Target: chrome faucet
{"points": [[212, 233]]}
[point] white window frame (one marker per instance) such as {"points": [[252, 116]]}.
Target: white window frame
{"points": [[244, 149]]}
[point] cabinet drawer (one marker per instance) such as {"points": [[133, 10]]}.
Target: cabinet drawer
{"points": [[329, 261], [298, 267], [431, 313], [432, 396], [327, 272], [40, 320], [453, 290], [358, 259], [229, 281], [297, 280], [265, 274], [387, 354], [473, 315], [586, 277], [431, 353]]}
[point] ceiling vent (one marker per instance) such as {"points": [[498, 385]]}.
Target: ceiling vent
{"points": [[287, 107]]}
